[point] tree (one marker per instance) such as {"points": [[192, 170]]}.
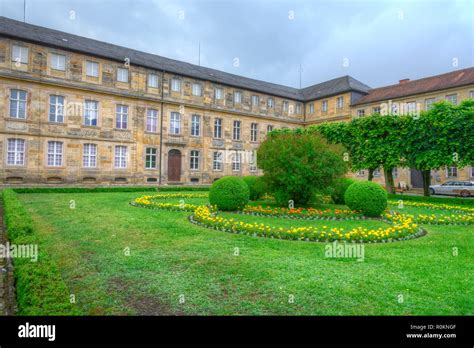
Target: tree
{"points": [[372, 142], [439, 137], [297, 165]]}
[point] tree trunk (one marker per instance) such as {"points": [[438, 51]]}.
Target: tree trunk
{"points": [[371, 174], [389, 185], [426, 175]]}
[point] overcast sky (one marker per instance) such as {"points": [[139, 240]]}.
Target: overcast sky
{"points": [[377, 42]]}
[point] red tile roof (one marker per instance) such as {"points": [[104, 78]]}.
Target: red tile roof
{"points": [[428, 84]]}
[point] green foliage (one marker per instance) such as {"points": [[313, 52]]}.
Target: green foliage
{"points": [[229, 193], [40, 289], [444, 200], [17, 220], [109, 189], [366, 196], [256, 186], [339, 189], [299, 165]]}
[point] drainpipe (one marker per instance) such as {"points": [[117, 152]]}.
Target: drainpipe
{"points": [[161, 126]]}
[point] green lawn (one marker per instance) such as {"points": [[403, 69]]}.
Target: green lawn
{"points": [[172, 259]]}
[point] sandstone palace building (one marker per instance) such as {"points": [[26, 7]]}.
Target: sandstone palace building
{"points": [[79, 111]]}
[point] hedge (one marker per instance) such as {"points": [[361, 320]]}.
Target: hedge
{"points": [[445, 200], [40, 289], [109, 189], [229, 193], [366, 196]]}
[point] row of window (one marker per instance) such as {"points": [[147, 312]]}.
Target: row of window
{"points": [[451, 172], [410, 107], [325, 104], [55, 156], [58, 62], [18, 100]]}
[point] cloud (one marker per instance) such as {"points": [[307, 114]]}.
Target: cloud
{"points": [[382, 41]]}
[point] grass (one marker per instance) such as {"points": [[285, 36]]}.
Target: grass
{"points": [[220, 273]]}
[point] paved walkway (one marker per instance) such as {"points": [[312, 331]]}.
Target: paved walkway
{"points": [[7, 290]]}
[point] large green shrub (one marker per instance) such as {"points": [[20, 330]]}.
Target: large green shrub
{"points": [[366, 196], [256, 186], [339, 188], [229, 193], [299, 165]]}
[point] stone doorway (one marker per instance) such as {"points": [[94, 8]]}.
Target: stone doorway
{"points": [[174, 166]]}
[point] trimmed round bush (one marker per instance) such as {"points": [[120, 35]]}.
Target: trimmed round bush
{"points": [[366, 196], [339, 187], [229, 193], [256, 186]]}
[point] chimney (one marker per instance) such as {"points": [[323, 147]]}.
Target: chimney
{"points": [[403, 81]]}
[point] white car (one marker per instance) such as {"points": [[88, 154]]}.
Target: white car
{"points": [[457, 188]]}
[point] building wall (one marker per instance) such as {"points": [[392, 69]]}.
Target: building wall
{"points": [[40, 81], [333, 113]]}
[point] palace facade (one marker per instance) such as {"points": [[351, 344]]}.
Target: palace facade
{"points": [[80, 111]]}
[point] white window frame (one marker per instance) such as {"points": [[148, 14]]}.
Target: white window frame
{"points": [[217, 128], [92, 68], [472, 172], [253, 162], [56, 108], [91, 113], [324, 106], [120, 156], [254, 132], [121, 116], [151, 156], [217, 160], [197, 89], [286, 106], [194, 156], [376, 110], [152, 120], [298, 108], [451, 97], [360, 172], [450, 171], [410, 107], [218, 93], [175, 85], [255, 100], [270, 103], [269, 128], [311, 108], [122, 75], [377, 173], [360, 112], [19, 102], [175, 123], [153, 81], [55, 153], [237, 97], [58, 62], [471, 94], [429, 102], [20, 54], [339, 102], [89, 155], [16, 149], [236, 127], [237, 162], [195, 125]]}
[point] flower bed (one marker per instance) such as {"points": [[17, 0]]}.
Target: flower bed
{"points": [[402, 228], [303, 213], [440, 206], [148, 201]]}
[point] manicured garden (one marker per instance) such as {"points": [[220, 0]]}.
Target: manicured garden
{"points": [[116, 258]]}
